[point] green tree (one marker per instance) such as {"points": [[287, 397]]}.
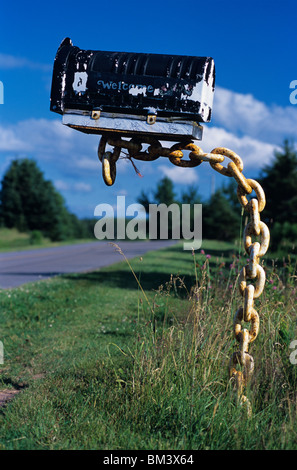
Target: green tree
{"points": [[279, 181], [221, 214], [164, 193], [29, 202], [220, 220], [230, 192], [190, 196], [144, 200]]}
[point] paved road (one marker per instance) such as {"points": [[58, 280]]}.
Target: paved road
{"points": [[20, 267]]}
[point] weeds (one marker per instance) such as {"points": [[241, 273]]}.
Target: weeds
{"points": [[135, 356], [179, 375]]}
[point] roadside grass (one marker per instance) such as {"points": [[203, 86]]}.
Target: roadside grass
{"points": [[104, 360], [13, 240]]}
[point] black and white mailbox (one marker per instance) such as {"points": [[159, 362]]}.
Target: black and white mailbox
{"points": [[165, 96]]}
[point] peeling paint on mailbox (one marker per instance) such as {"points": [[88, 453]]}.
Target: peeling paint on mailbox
{"points": [[132, 83], [80, 82]]}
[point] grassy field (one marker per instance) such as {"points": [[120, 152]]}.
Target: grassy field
{"points": [[107, 360], [13, 240]]}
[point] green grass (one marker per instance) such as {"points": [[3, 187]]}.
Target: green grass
{"points": [[13, 240], [105, 361]]}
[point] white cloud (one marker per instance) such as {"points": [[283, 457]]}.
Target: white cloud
{"points": [[80, 187], [8, 61], [51, 142], [61, 185], [178, 174], [87, 163], [122, 192], [34, 135], [240, 122], [11, 141], [245, 115], [254, 153], [48, 140], [84, 187]]}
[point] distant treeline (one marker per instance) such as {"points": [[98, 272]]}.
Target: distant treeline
{"points": [[30, 203], [222, 214]]}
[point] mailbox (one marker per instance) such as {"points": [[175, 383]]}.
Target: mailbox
{"points": [[166, 96]]}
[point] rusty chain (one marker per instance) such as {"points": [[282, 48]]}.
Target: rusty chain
{"points": [[241, 359]]}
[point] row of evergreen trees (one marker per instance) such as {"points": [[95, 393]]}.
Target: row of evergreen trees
{"points": [[222, 213], [28, 202]]}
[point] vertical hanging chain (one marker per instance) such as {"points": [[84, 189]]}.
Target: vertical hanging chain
{"points": [[253, 271], [241, 364]]}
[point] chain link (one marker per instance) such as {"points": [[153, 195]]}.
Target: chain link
{"points": [[253, 270], [240, 359]]}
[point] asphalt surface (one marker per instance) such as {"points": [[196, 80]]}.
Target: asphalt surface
{"points": [[20, 267]]}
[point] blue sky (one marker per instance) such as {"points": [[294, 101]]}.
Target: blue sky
{"points": [[254, 47]]}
